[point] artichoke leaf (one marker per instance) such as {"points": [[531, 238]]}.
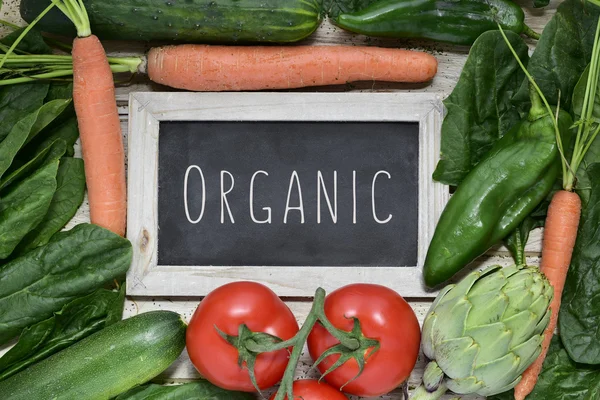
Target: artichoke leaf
{"points": [[498, 373], [528, 352], [464, 286], [543, 324], [427, 335], [493, 340], [540, 306], [456, 357], [522, 326], [451, 320], [464, 386], [487, 308]]}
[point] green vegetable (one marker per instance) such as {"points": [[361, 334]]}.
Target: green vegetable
{"points": [[451, 21], [72, 264], [18, 101], [479, 110], [561, 378], [563, 52], [190, 20], [497, 195], [23, 207], [200, 390], [105, 364], [482, 333], [333, 8], [70, 189], [77, 320], [67, 130]]}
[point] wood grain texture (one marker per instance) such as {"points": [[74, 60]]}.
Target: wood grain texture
{"points": [[451, 61]]}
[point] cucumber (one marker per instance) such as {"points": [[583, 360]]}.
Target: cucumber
{"points": [[105, 364], [201, 21]]}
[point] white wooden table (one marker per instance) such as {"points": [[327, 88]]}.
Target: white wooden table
{"points": [[451, 60]]}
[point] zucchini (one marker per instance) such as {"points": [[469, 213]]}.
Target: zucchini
{"points": [[105, 364], [200, 21]]}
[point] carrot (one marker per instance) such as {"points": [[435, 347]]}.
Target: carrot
{"points": [[100, 133], [560, 233], [223, 68]]}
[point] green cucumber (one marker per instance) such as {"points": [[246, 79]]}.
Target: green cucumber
{"points": [[201, 21], [105, 364]]}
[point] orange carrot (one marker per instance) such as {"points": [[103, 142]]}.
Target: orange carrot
{"points": [[223, 68], [100, 133], [560, 234]]}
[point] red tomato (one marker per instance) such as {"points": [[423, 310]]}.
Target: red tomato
{"points": [[227, 307], [384, 315], [311, 389]]}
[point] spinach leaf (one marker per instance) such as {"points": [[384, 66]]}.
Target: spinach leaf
{"points": [[70, 189], [72, 264], [24, 206], [333, 8], [46, 155], [479, 108], [17, 101], [77, 320], [67, 130], [579, 316], [59, 90], [26, 129], [199, 390], [579, 96], [561, 378], [563, 52], [33, 42]]}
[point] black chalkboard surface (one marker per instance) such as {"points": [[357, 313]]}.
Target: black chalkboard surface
{"points": [[212, 174]]}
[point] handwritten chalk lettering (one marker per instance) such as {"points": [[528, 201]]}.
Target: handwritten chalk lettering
{"points": [[294, 200], [185, 194]]}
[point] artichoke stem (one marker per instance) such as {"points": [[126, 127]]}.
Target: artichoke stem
{"points": [[422, 394]]}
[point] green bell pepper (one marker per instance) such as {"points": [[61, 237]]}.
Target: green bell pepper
{"points": [[497, 195], [451, 21]]}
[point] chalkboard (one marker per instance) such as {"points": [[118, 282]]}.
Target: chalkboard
{"points": [[293, 190], [361, 176]]}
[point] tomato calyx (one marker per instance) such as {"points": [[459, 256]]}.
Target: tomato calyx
{"points": [[247, 343], [354, 346]]}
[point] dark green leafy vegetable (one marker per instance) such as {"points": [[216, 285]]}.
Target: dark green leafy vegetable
{"points": [[46, 155], [33, 42], [78, 319], [72, 264], [26, 129], [563, 52], [200, 390], [561, 378], [66, 130], [18, 101], [70, 189], [579, 96], [540, 3], [479, 108], [23, 208], [579, 316]]}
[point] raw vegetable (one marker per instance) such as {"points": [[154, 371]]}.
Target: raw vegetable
{"points": [[72, 264], [457, 22], [497, 195], [383, 314], [479, 109], [24, 206], [77, 320], [70, 189], [105, 364], [220, 68], [562, 222], [99, 125], [199, 390], [14, 104], [310, 389], [482, 333], [203, 21], [562, 378], [234, 309]]}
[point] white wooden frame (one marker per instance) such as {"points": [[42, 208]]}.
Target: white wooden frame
{"points": [[146, 278]]}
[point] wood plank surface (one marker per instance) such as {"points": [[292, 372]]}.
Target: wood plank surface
{"points": [[451, 60]]}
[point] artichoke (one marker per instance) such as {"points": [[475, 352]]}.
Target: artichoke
{"points": [[482, 333]]}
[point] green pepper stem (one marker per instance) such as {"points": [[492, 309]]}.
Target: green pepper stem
{"points": [[531, 33]]}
